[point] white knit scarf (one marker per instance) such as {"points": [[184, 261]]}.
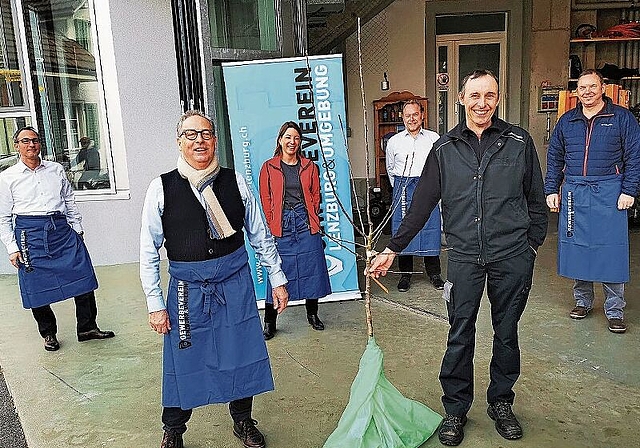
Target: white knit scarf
{"points": [[202, 181]]}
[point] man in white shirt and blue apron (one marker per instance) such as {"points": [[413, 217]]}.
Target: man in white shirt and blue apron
{"points": [[41, 227], [406, 154]]}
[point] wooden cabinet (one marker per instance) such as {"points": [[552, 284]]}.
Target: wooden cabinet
{"points": [[387, 118]]}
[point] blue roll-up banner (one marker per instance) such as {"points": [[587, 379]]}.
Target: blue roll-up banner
{"points": [[261, 95]]}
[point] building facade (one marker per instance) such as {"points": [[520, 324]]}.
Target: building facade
{"points": [[110, 77]]}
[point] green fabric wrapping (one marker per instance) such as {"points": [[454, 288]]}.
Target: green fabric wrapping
{"points": [[378, 415]]}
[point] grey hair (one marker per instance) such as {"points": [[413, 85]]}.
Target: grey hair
{"points": [[193, 113]]}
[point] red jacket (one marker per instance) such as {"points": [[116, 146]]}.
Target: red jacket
{"points": [[272, 193]]}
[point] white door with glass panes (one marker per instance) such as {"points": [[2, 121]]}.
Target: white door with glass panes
{"points": [[459, 54]]}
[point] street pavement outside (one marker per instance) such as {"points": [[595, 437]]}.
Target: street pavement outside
{"points": [[579, 385]]}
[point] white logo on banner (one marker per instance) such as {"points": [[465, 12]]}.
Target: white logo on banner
{"points": [[335, 265]]}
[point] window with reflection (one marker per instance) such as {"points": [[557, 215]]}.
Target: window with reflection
{"points": [[11, 93], [8, 126], [15, 112], [243, 24], [67, 89]]}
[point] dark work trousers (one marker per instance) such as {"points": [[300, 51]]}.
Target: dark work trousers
{"points": [[431, 264], [508, 284], [175, 419], [86, 313], [271, 315]]}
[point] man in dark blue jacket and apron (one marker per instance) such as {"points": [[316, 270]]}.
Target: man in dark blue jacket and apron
{"points": [[41, 226], [214, 351], [595, 150]]}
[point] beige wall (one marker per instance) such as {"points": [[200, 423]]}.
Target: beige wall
{"points": [[549, 53], [392, 42]]}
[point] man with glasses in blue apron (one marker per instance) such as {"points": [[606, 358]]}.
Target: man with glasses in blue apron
{"points": [[41, 226], [214, 350], [593, 173]]}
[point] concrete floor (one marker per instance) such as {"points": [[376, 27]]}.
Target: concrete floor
{"points": [[579, 385]]}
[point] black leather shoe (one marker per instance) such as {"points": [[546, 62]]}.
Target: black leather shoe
{"points": [[451, 430], [437, 282], [405, 283], [96, 333], [51, 343], [171, 440], [507, 424], [315, 322], [247, 432], [269, 330]]}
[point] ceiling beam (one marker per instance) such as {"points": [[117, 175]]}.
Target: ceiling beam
{"points": [[340, 26]]}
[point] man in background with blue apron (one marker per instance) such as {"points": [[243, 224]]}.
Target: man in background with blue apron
{"points": [[406, 155], [595, 150], [214, 350], [41, 227]]}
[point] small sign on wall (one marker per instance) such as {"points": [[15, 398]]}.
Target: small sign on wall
{"points": [[548, 98], [442, 80]]}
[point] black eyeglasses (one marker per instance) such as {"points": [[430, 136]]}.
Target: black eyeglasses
{"points": [[192, 134], [25, 141]]}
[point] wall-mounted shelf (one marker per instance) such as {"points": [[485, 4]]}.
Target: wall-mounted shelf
{"points": [[624, 78], [602, 39]]}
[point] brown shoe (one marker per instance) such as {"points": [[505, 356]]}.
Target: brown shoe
{"points": [[617, 326], [171, 440], [247, 432], [579, 312]]}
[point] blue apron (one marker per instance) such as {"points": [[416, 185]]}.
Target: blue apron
{"points": [[593, 240], [303, 261], [215, 351], [56, 261], [427, 242]]}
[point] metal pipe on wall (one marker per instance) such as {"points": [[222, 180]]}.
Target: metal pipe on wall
{"points": [[623, 18], [634, 84], [636, 46], [629, 57], [187, 54]]}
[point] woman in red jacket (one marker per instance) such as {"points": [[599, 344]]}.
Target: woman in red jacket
{"points": [[290, 196]]}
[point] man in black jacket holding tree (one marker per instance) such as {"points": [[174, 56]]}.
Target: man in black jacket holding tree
{"points": [[487, 174]]}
